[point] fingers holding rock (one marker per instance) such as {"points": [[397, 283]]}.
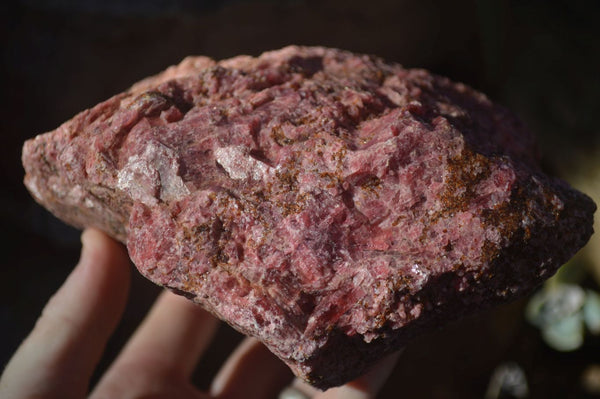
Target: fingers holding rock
{"points": [[251, 371], [163, 351], [58, 357]]}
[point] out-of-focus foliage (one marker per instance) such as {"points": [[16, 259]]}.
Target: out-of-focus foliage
{"points": [[508, 380], [563, 311]]}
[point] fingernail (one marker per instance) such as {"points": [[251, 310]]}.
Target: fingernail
{"points": [[292, 393], [90, 239]]}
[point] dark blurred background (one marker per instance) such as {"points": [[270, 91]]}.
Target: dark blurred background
{"points": [[539, 58]]}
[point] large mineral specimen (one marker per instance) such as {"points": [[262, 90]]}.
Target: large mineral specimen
{"points": [[330, 204]]}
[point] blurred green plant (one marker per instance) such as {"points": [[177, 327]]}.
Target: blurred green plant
{"points": [[508, 381], [563, 310]]}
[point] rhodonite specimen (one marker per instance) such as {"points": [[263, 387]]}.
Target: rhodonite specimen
{"points": [[330, 204]]}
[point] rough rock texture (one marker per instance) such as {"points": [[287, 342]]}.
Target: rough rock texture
{"points": [[328, 203]]}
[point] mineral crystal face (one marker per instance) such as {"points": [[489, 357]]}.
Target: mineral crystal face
{"points": [[330, 204]]}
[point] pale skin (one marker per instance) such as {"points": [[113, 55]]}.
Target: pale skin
{"points": [[58, 357]]}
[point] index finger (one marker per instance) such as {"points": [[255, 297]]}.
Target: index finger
{"points": [[59, 356]]}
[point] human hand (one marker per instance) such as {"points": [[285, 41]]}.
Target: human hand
{"points": [[57, 359]]}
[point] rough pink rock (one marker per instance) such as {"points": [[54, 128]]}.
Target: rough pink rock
{"points": [[330, 204]]}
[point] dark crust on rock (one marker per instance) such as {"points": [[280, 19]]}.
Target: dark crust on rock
{"points": [[330, 204], [510, 272]]}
